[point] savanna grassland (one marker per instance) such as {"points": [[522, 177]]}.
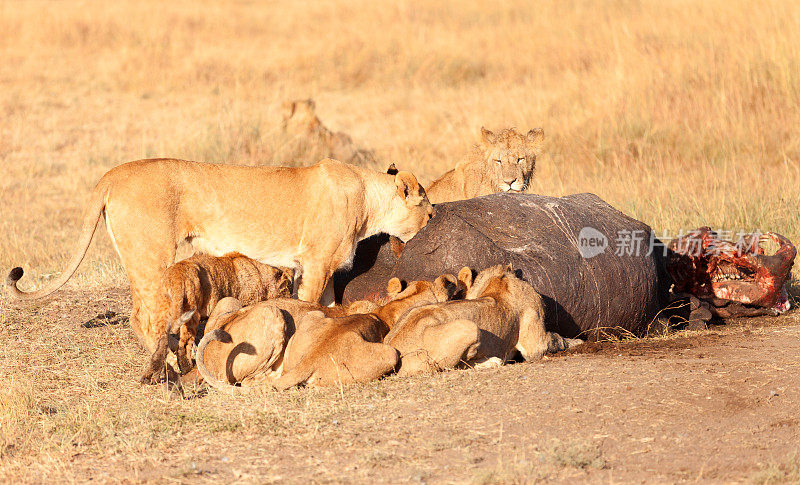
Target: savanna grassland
{"points": [[679, 113]]}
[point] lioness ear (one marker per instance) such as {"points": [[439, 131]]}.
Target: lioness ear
{"points": [[406, 184], [394, 286], [392, 170], [535, 139], [509, 268], [447, 285], [187, 316], [465, 277], [288, 109], [487, 136], [312, 106]]}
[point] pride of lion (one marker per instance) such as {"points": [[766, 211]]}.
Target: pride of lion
{"points": [[267, 242]]}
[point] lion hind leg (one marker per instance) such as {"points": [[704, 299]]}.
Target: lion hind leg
{"points": [[534, 341], [299, 374], [371, 361], [452, 343], [145, 255]]}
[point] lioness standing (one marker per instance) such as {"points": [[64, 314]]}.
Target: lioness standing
{"points": [[308, 218]]}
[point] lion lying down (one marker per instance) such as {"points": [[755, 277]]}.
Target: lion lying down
{"points": [[403, 296], [500, 314], [199, 283], [300, 121], [289, 342], [240, 344], [327, 351]]}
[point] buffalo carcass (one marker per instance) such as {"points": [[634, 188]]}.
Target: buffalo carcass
{"points": [[599, 271]]}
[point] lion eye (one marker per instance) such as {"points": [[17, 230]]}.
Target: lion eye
{"points": [[521, 160], [498, 162]]}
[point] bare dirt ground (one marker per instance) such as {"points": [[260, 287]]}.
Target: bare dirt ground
{"points": [[721, 405]]}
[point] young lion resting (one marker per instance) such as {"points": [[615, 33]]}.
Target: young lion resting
{"points": [[404, 296], [231, 326], [240, 343], [199, 283], [326, 351], [501, 314], [502, 162]]}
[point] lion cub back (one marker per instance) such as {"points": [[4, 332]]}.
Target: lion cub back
{"points": [[329, 351], [200, 281]]}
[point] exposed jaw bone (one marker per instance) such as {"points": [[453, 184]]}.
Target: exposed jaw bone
{"points": [[739, 277]]}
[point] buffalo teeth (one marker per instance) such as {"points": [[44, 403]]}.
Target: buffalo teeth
{"points": [[725, 277]]}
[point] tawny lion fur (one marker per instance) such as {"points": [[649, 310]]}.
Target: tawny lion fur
{"points": [[500, 314], [230, 325], [331, 351], [309, 219], [405, 296], [502, 162], [242, 345], [199, 283], [300, 120]]}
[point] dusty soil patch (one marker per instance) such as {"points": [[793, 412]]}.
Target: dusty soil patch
{"points": [[717, 406]]}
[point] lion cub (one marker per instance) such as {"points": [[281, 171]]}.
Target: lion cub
{"points": [[403, 296], [255, 328], [325, 345], [199, 283], [327, 351], [240, 343], [500, 314]]}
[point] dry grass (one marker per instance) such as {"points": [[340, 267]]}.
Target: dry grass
{"points": [[785, 471], [679, 113], [545, 465], [71, 409]]}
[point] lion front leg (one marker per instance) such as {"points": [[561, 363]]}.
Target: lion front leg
{"points": [[190, 324], [533, 339], [313, 282], [155, 369]]}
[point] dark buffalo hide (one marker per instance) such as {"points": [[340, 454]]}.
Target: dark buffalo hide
{"points": [[555, 243]]}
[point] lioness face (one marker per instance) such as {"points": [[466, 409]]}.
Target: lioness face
{"points": [[511, 157], [410, 209], [299, 117]]}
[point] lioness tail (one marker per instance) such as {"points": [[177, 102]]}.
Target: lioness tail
{"points": [[96, 208]]}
